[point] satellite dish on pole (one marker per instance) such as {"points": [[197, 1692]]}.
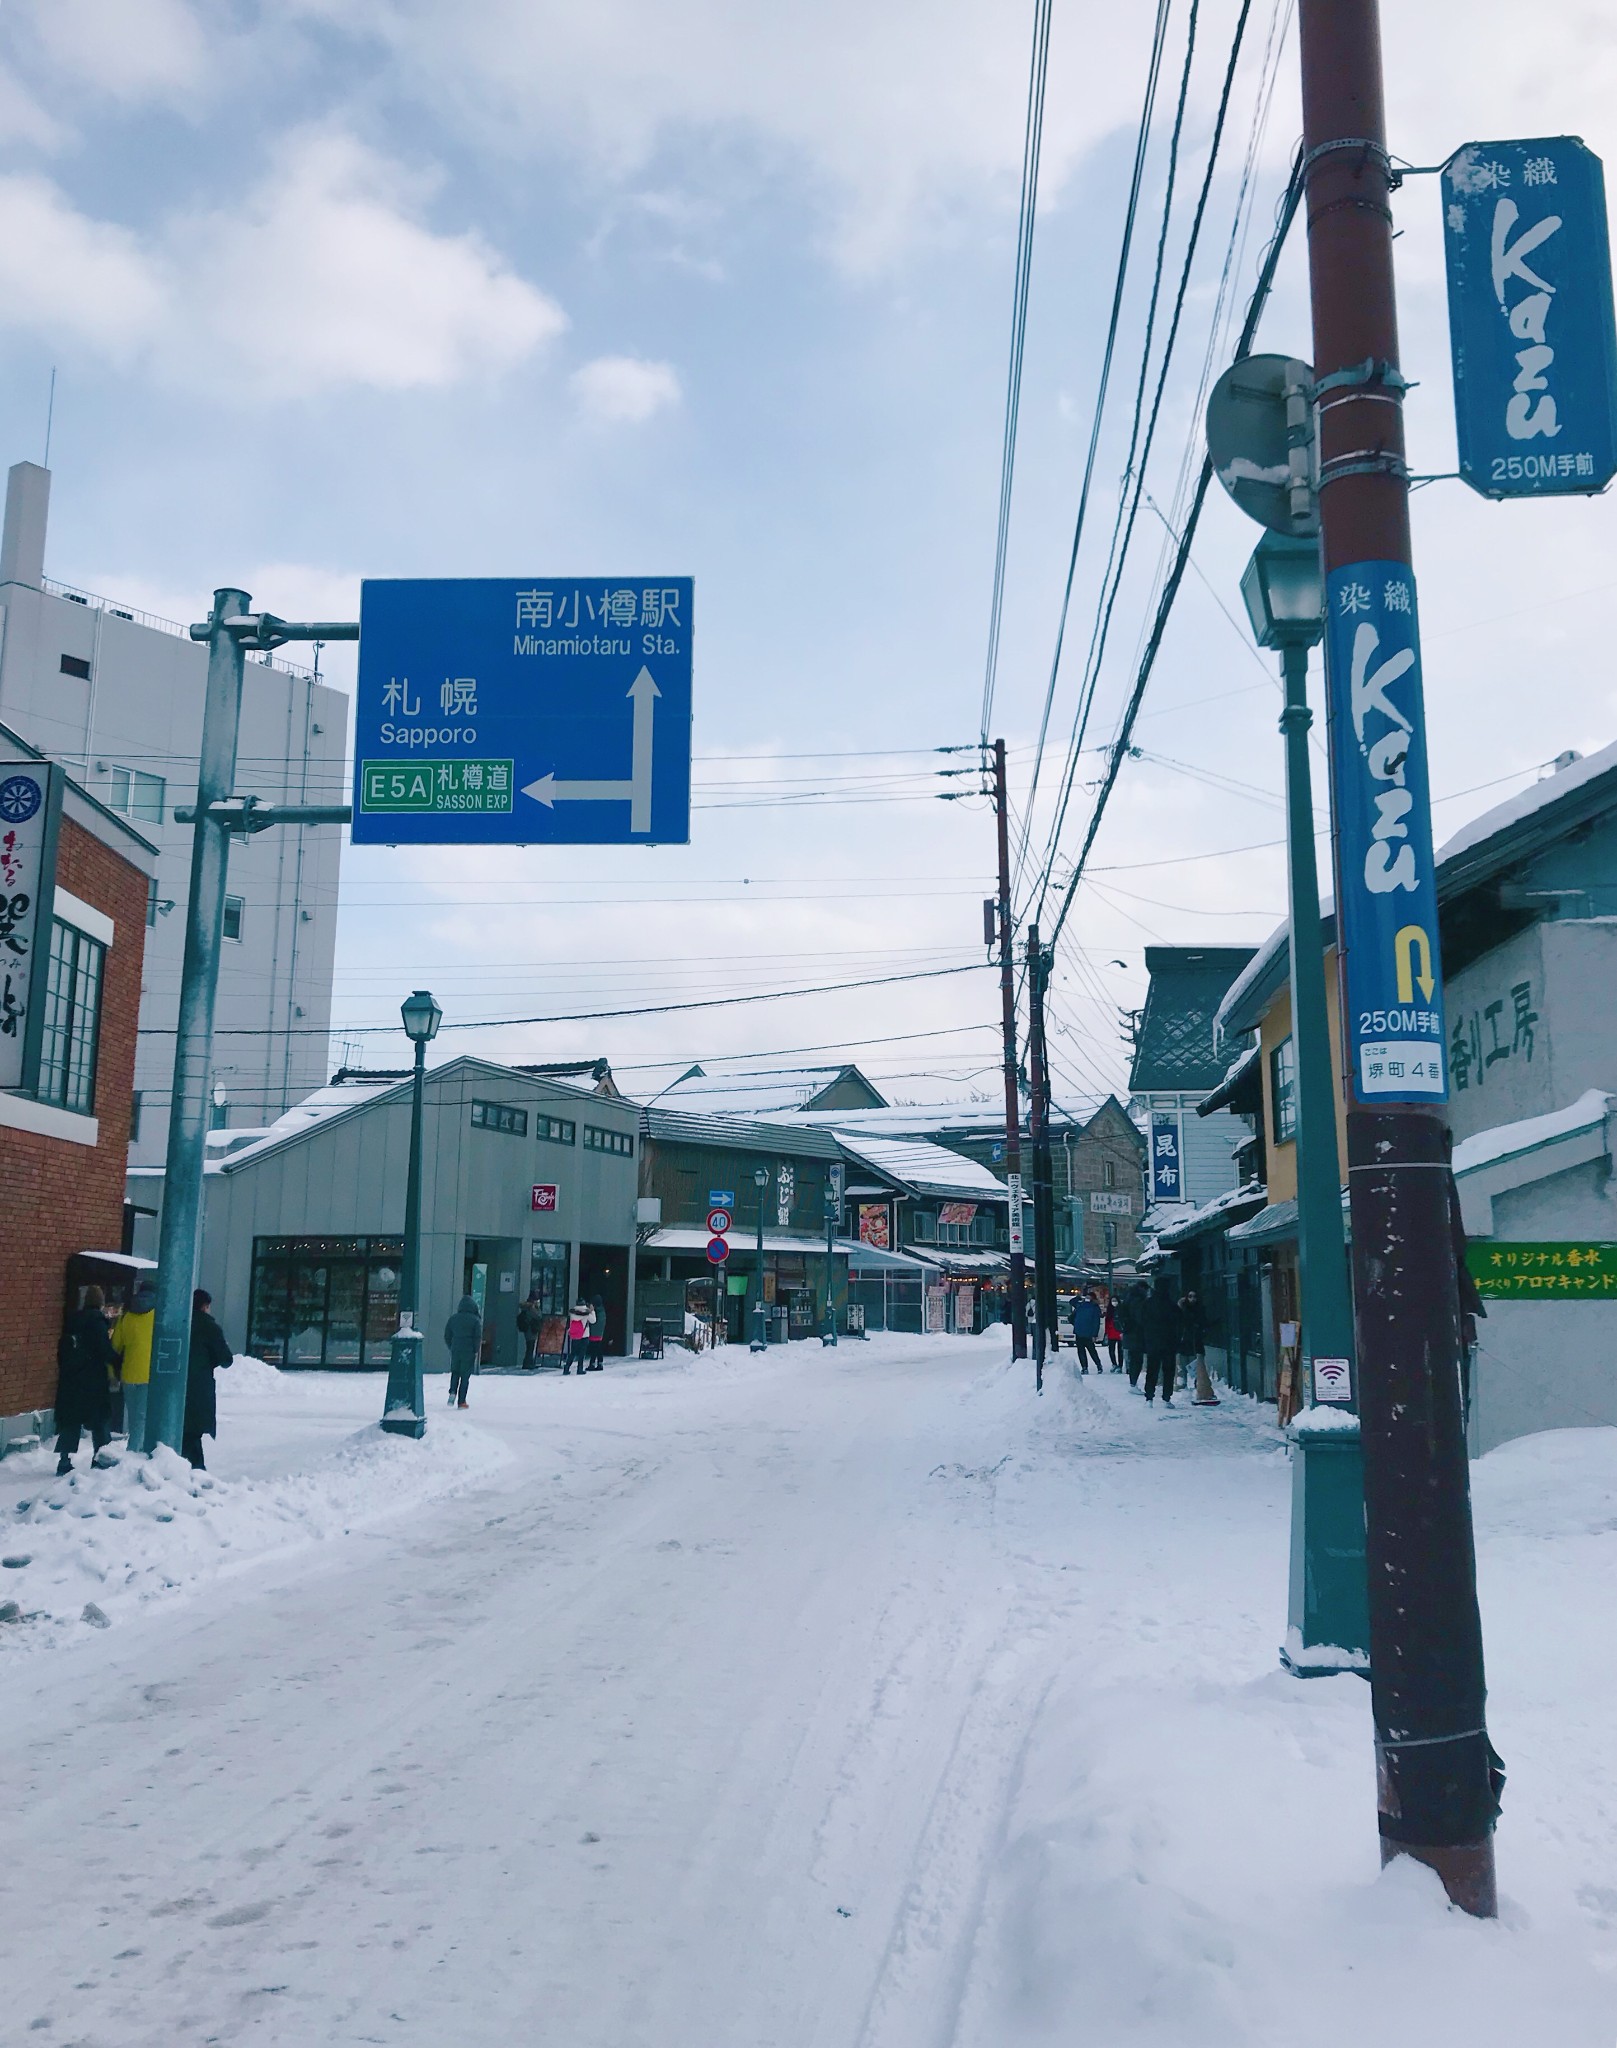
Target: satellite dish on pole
{"points": [[1260, 435]]}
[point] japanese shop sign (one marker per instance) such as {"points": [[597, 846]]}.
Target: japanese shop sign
{"points": [[1487, 1033], [497, 712], [30, 804], [1543, 1272], [873, 1225], [544, 1198], [1013, 1190], [957, 1215], [1167, 1181], [1388, 876], [1530, 317]]}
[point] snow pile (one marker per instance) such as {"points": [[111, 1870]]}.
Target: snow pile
{"points": [[147, 1527], [251, 1380]]}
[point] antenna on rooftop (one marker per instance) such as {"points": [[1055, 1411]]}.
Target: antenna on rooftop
{"points": [[50, 414]]}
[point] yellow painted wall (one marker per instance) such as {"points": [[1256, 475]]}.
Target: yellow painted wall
{"points": [[1272, 1031]]}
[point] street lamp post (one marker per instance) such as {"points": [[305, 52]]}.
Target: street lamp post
{"points": [[405, 1412], [1328, 1610], [760, 1328], [833, 1217]]}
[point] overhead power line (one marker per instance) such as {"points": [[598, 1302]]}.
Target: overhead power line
{"points": [[1031, 140]]}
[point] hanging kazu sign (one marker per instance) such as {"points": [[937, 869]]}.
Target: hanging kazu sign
{"points": [[1530, 317], [1387, 921]]}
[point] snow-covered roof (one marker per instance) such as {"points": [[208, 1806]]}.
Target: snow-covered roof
{"points": [[756, 1090], [1527, 1134], [925, 1168], [679, 1237], [1516, 810], [1251, 1195]]}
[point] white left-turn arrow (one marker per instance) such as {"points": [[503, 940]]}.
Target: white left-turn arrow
{"points": [[635, 791]]}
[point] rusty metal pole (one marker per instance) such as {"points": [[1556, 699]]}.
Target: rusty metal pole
{"points": [[1013, 1097], [1437, 1776]]}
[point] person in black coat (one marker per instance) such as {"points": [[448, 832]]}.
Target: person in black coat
{"points": [[85, 1364], [208, 1350], [1131, 1323], [1162, 1327]]}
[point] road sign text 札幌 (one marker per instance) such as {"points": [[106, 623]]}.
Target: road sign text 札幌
{"points": [[1530, 317], [519, 711]]}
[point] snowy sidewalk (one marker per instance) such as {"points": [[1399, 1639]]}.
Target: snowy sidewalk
{"points": [[828, 1700]]}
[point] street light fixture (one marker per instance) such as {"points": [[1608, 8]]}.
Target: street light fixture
{"points": [[1329, 1599], [405, 1411], [760, 1327]]}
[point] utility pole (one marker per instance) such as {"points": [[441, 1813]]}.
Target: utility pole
{"points": [[1437, 1775], [230, 631], [1013, 1092], [1044, 1231]]}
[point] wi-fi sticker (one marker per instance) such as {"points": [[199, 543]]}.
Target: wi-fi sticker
{"points": [[1333, 1381]]}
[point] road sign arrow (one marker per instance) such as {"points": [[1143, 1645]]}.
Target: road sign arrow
{"points": [[1410, 941], [549, 790]]}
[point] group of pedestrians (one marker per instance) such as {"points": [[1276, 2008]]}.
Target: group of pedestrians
{"points": [[583, 1348], [98, 1363], [1148, 1330]]}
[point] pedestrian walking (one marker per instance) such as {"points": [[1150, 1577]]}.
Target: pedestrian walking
{"points": [[597, 1334], [1113, 1332], [1160, 1316], [578, 1339], [463, 1333], [530, 1321], [85, 1366], [132, 1341], [1193, 1347], [208, 1352], [1131, 1321], [1086, 1322]]}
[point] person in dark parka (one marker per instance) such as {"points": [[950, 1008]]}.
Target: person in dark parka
{"points": [[85, 1362], [1162, 1326], [208, 1351], [1131, 1321], [463, 1333]]}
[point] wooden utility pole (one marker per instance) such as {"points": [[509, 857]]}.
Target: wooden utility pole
{"points": [[1044, 1235], [1013, 1090], [1437, 1776]]}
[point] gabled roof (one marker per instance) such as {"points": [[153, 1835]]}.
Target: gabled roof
{"points": [[1174, 1050], [757, 1090], [920, 1168], [1501, 839], [735, 1134]]}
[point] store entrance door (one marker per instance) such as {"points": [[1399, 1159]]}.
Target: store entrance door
{"points": [[490, 1271], [603, 1275]]}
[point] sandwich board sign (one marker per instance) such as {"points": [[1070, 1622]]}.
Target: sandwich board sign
{"points": [[519, 711]]}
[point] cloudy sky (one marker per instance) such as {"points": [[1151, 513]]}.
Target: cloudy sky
{"points": [[337, 288]]}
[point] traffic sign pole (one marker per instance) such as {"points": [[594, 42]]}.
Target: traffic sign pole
{"points": [[1437, 1775]]}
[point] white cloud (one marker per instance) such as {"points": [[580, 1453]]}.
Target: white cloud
{"points": [[131, 50], [71, 278], [324, 279], [618, 390]]}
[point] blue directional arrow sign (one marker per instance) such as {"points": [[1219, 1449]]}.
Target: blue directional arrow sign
{"points": [[524, 711]]}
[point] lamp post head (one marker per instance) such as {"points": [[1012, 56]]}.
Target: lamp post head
{"points": [[1284, 592], [760, 1177], [422, 1017]]}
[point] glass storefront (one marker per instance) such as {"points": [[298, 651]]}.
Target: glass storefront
{"points": [[324, 1301], [547, 1276]]}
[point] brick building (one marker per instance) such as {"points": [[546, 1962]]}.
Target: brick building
{"points": [[70, 989]]}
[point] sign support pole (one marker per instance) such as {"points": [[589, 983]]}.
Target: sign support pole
{"points": [[1044, 1236], [1437, 1775]]}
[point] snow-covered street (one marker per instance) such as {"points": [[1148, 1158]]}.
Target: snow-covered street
{"points": [[847, 1699]]}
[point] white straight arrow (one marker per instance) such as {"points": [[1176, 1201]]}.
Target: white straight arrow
{"points": [[636, 791]]}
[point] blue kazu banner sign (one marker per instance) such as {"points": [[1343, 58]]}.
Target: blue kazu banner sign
{"points": [[524, 711], [1387, 875], [1530, 317]]}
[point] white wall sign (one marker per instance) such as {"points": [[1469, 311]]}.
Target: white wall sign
{"points": [[26, 843]]}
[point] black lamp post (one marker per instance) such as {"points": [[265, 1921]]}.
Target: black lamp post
{"points": [[405, 1411], [422, 1017], [760, 1326]]}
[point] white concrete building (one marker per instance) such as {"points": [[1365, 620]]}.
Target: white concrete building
{"points": [[116, 695]]}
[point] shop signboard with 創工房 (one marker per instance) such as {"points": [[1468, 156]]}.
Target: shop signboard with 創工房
{"points": [[1530, 317]]}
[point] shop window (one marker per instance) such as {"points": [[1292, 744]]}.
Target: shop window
{"points": [[72, 1019], [547, 1276], [1283, 1090], [598, 1140], [500, 1116], [325, 1301], [1108, 1173], [924, 1228]]}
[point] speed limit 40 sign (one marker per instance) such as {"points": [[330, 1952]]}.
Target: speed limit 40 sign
{"points": [[719, 1222]]}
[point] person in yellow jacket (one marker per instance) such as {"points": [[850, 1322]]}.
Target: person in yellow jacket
{"points": [[132, 1340]]}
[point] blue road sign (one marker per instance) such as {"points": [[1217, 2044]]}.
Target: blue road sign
{"points": [[1530, 317], [500, 711], [722, 1198], [1387, 918]]}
